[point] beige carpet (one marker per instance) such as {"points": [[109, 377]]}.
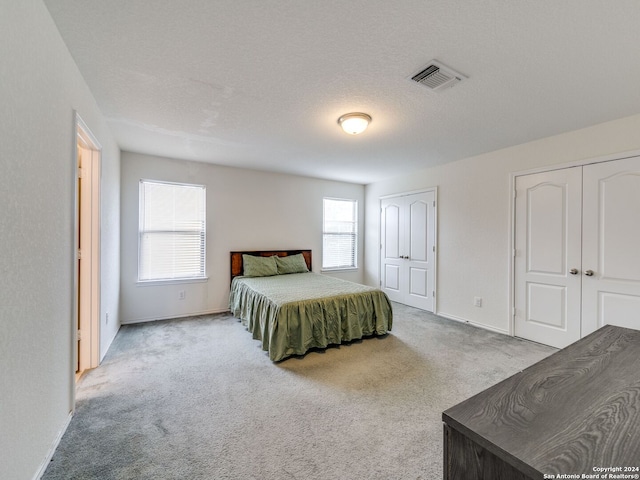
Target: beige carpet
{"points": [[197, 399]]}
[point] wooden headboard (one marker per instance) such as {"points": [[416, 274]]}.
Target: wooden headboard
{"points": [[236, 258]]}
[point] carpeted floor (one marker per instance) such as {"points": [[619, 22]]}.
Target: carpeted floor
{"points": [[197, 398]]}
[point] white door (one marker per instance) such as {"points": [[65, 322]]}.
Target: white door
{"points": [[611, 245], [408, 249], [392, 280], [547, 257], [577, 260]]}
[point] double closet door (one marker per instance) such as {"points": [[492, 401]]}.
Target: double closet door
{"points": [[577, 251], [407, 249]]}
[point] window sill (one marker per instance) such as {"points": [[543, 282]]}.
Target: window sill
{"points": [[346, 269], [170, 281]]}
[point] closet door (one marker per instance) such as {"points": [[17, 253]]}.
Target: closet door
{"points": [[392, 278], [420, 250], [611, 245], [407, 255], [547, 257]]}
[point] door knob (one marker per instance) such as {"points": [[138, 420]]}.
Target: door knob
{"points": [[589, 273], [573, 271]]}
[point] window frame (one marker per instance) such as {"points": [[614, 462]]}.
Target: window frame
{"points": [[355, 234], [172, 280]]}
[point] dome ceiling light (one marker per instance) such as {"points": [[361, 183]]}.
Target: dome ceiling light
{"points": [[354, 123]]}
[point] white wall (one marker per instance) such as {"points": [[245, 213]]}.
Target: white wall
{"points": [[40, 87], [246, 210], [473, 215]]}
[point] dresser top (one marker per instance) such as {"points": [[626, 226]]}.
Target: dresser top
{"points": [[575, 410]]}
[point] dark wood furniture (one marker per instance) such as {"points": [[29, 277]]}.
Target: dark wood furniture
{"points": [[236, 258], [575, 411]]}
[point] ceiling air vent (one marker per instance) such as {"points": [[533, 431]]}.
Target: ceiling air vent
{"points": [[437, 76]]}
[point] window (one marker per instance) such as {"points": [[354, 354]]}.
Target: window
{"points": [[339, 234], [171, 231]]}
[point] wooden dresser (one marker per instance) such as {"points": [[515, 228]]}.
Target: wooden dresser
{"points": [[569, 414]]}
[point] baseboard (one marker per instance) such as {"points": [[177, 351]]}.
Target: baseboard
{"points": [[475, 324], [52, 449], [170, 317]]}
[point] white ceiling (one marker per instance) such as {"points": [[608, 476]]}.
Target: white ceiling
{"points": [[260, 84]]}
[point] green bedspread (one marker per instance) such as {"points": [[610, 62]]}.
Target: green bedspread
{"points": [[292, 313]]}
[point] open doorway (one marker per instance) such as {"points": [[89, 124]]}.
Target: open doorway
{"points": [[87, 267]]}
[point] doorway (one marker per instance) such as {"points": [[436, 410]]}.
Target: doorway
{"points": [[87, 240]]}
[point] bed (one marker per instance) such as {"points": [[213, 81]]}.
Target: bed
{"points": [[291, 309]]}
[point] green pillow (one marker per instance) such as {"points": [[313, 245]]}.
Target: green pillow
{"points": [[291, 264], [259, 266]]}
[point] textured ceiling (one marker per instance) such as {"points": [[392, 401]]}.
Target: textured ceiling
{"points": [[260, 84]]}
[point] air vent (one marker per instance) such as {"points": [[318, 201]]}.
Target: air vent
{"points": [[438, 77]]}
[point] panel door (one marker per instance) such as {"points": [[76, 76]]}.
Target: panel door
{"points": [[548, 257], [611, 245], [392, 277], [408, 249], [419, 250]]}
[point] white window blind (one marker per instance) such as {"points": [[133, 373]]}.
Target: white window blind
{"points": [[171, 231], [339, 234]]}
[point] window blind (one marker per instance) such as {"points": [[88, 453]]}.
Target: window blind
{"points": [[339, 234], [171, 231]]}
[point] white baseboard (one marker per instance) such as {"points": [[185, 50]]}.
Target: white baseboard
{"points": [[170, 317], [475, 324], [52, 449]]}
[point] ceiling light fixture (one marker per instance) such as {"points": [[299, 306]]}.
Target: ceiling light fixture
{"points": [[354, 123]]}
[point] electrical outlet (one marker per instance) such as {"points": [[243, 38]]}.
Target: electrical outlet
{"points": [[477, 301], [181, 295]]}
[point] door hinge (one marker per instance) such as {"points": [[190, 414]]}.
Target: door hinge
{"points": [[434, 248], [79, 172], [79, 254], [434, 204], [513, 312], [433, 293], [79, 335]]}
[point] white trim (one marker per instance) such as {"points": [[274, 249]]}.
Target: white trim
{"points": [[53, 447], [334, 270], [510, 263], [87, 134], [579, 163], [164, 182], [512, 208], [73, 324], [472, 323], [171, 317], [437, 251], [171, 281], [412, 192]]}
